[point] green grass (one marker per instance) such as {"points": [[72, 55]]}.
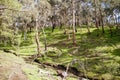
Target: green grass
{"points": [[99, 50], [28, 46]]}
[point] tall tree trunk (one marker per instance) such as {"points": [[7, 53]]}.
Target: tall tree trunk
{"points": [[45, 40], [37, 37], [116, 22], [65, 20], [111, 33], [74, 37], [88, 28], [101, 19], [25, 32], [53, 26], [76, 22], [110, 27], [30, 28], [96, 17]]}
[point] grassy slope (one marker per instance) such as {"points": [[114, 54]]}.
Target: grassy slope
{"points": [[10, 63], [100, 54]]}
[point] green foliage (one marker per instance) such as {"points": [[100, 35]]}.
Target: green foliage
{"points": [[6, 35], [96, 51], [116, 52], [6, 29], [11, 3]]}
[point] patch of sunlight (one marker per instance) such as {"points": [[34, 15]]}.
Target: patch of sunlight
{"points": [[70, 78], [31, 72], [107, 76], [104, 49], [91, 74], [35, 73], [10, 59], [27, 51], [65, 50], [46, 59], [84, 30], [118, 45]]}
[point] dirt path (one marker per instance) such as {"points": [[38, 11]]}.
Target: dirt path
{"points": [[15, 68], [10, 67]]}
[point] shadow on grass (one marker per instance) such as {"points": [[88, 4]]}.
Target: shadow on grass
{"points": [[95, 48], [106, 37], [94, 40], [116, 52], [85, 41], [26, 43]]}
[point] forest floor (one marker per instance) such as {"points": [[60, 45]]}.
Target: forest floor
{"points": [[15, 68], [94, 56], [97, 55]]}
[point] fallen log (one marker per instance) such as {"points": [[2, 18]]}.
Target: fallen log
{"points": [[10, 51]]}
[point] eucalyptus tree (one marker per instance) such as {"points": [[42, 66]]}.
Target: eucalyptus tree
{"points": [[42, 11], [37, 12], [7, 9], [111, 8], [60, 15], [115, 5], [55, 8], [74, 37], [64, 15], [96, 14], [86, 14], [108, 10], [101, 15], [112, 11]]}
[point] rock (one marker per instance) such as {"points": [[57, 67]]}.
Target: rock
{"points": [[62, 74], [65, 74]]}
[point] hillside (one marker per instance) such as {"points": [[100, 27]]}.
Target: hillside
{"points": [[59, 39], [15, 68]]}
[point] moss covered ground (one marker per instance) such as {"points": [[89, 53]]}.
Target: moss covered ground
{"points": [[97, 55], [94, 55]]}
